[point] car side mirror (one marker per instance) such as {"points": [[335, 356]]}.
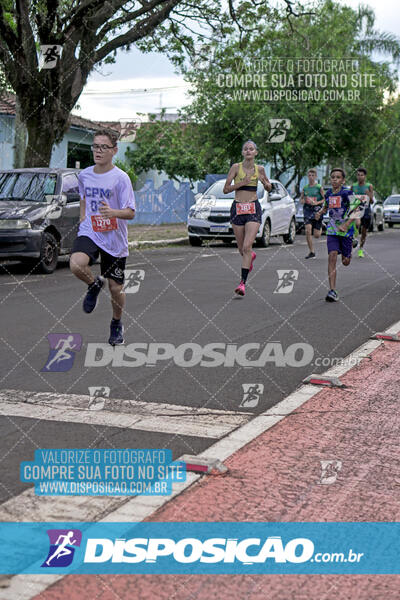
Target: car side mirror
{"points": [[72, 197], [56, 199], [274, 196], [197, 196]]}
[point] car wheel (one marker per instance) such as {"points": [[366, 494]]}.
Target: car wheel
{"points": [[48, 254], [264, 240], [289, 237], [195, 241], [390, 225]]}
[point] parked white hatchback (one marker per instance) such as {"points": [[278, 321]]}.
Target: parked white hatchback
{"points": [[209, 218]]}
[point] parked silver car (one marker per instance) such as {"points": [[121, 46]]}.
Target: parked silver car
{"points": [[391, 209], [209, 218]]}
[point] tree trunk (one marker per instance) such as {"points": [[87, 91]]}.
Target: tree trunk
{"points": [[20, 134], [40, 145]]}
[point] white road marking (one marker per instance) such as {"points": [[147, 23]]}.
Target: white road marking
{"points": [[22, 281], [173, 259], [125, 414]]}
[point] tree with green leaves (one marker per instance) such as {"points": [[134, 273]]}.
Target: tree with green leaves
{"points": [[383, 162], [90, 32], [219, 121]]}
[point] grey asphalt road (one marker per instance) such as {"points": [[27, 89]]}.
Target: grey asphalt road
{"points": [[186, 297]]}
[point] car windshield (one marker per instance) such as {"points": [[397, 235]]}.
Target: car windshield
{"points": [[392, 200], [27, 186], [217, 190]]}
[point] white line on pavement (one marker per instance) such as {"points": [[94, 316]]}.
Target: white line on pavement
{"points": [[125, 414]]}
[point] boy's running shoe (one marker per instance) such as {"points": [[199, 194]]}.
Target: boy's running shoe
{"points": [[253, 258], [361, 253], [116, 333], [332, 296], [240, 290], [311, 255], [355, 243], [90, 300]]}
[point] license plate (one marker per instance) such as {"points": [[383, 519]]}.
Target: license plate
{"points": [[219, 228]]}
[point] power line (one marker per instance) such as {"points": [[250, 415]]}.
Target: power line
{"points": [[131, 91]]}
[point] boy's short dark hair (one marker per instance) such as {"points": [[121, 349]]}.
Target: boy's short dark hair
{"points": [[362, 170], [340, 171], [313, 171], [112, 135]]}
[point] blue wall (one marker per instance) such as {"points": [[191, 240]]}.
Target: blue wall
{"points": [[163, 205]]}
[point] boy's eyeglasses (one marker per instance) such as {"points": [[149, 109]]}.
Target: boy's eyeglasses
{"points": [[101, 147]]}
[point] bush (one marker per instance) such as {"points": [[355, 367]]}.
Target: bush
{"points": [[128, 169]]}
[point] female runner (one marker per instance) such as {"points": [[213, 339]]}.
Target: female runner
{"points": [[246, 209]]}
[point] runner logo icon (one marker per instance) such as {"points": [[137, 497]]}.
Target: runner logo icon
{"points": [[98, 395], [62, 352], [134, 277], [279, 129], [287, 279], [49, 55], [61, 551], [330, 471], [251, 394]]}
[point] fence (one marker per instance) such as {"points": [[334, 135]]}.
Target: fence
{"points": [[167, 204], [163, 205]]}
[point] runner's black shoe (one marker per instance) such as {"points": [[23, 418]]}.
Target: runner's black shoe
{"points": [[116, 333], [332, 296], [355, 243], [311, 255], [90, 300]]}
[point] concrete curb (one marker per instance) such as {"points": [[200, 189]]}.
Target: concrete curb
{"points": [[139, 243]]}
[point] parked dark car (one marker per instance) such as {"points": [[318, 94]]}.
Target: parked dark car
{"points": [[39, 215]]}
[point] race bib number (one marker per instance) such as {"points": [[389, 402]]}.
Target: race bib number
{"points": [[246, 208], [102, 224], [335, 201]]}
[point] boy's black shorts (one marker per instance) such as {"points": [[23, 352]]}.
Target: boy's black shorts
{"points": [[315, 223], [366, 221], [111, 267]]}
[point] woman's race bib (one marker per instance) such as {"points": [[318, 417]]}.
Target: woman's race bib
{"points": [[102, 224], [245, 208]]}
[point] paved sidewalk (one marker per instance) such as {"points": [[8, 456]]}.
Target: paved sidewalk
{"points": [[277, 477]]}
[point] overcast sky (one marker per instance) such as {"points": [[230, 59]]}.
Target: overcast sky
{"points": [[134, 72]]}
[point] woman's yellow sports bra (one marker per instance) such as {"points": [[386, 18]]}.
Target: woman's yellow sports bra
{"points": [[242, 175]]}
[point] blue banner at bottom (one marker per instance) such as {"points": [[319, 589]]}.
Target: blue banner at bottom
{"points": [[200, 548]]}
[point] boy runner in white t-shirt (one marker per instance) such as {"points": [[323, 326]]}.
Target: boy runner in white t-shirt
{"points": [[107, 202]]}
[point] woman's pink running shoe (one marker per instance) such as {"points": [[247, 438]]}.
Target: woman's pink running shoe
{"points": [[240, 290], [253, 258]]}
